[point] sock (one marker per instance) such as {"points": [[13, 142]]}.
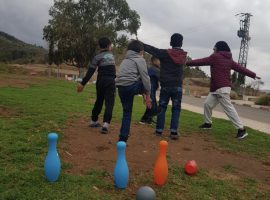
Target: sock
{"points": [[93, 122], [106, 125]]}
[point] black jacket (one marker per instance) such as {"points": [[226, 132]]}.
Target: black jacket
{"points": [[171, 64]]}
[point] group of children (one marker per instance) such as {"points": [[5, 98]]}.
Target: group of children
{"points": [[134, 77]]}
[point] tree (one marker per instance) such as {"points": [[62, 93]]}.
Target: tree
{"points": [[241, 79], [75, 27]]}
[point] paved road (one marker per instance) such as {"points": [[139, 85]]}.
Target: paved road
{"points": [[243, 111]]}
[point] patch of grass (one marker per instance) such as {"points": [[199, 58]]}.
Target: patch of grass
{"points": [[46, 108]]}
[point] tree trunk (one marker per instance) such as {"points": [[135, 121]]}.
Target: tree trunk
{"points": [[81, 72]]}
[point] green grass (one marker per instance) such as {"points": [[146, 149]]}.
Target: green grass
{"points": [[44, 108]]}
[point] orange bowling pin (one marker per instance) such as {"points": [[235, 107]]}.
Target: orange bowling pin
{"points": [[161, 165]]}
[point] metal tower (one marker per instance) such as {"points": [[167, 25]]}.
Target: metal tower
{"points": [[243, 33]]}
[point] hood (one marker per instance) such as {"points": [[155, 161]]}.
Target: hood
{"points": [[225, 54], [132, 54], [177, 55]]}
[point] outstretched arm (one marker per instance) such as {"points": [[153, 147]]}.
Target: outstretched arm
{"points": [[153, 50], [91, 70], [199, 62], [239, 68]]}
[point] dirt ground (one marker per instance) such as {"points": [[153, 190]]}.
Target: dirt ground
{"points": [[86, 148], [21, 78]]}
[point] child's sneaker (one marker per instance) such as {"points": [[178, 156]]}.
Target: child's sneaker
{"points": [[94, 124], [104, 130], [205, 126], [148, 121], [241, 134], [142, 121], [158, 133], [105, 127], [174, 135]]}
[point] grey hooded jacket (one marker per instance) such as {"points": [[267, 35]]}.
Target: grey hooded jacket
{"points": [[132, 69]]}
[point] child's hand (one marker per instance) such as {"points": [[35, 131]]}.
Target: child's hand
{"points": [[147, 101], [80, 87]]}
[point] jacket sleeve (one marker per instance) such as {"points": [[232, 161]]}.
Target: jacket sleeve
{"points": [[142, 68], [91, 70], [199, 62], [239, 68], [159, 53]]}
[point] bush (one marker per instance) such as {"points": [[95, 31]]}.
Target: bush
{"points": [[263, 100], [234, 95]]}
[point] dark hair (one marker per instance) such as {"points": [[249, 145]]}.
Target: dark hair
{"points": [[153, 58], [176, 40], [222, 46], [135, 45], [104, 42]]}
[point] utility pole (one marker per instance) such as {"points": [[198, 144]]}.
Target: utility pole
{"points": [[243, 33]]}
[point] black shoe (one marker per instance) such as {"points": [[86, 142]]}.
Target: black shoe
{"points": [[156, 112], [104, 130], [95, 125], [174, 135], [148, 121], [241, 134], [142, 121], [158, 133], [205, 126], [123, 138]]}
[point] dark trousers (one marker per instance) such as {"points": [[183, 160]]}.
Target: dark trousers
{"points": [[148, 114], [126, 94], [167, 93], [105, 90]]}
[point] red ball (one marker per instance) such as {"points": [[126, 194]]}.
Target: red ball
{"points": [[191, 167]]}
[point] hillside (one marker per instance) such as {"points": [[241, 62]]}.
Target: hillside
{"points": [[13, 50]]}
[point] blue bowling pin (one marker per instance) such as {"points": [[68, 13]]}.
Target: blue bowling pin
{"points": [[121, 172], [52, 165]]}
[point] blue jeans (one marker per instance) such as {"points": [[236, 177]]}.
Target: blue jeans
{"points": [[167, 93], [126, 94]]}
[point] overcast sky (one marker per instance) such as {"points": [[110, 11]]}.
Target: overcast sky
{"points": [[201, 22]]}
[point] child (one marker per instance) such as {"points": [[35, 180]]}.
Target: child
{"points": [[105, 85], [171, 72], [154, 74], [132, 79], [221, 63]]}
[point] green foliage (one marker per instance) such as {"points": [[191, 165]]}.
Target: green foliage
{"points": [[263, 100], [241, 79], [16, 51], [191, 72], [76, 26], [234, 95], [234, 77]]}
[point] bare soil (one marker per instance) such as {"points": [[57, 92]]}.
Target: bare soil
{"points": [[7, 112], [20, 77], [86, 148]]}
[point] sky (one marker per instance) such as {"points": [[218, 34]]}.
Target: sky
{"points": [[201, 22]]}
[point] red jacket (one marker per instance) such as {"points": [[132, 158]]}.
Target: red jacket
{"points": [[221, 64]]}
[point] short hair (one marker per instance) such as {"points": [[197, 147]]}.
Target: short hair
{"points": [[153, 58], [176, 40], [222, 46], [135, 45], [104, 42]]}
